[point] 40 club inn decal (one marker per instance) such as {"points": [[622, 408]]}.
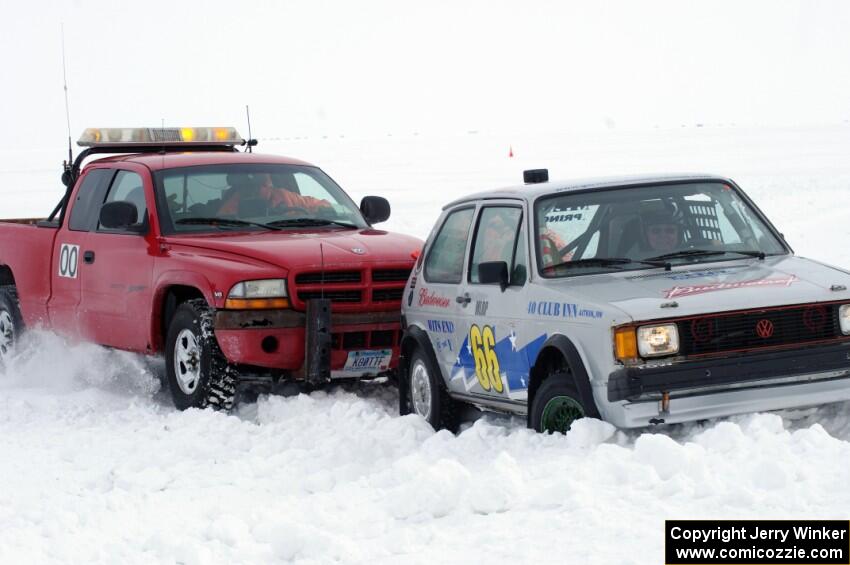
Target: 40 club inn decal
{"points": [[493, 363], [548, 308]]}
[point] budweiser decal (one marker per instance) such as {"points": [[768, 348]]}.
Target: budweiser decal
{"points": [[689, 290], [428, 298]]}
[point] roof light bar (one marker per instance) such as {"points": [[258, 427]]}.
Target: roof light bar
{"points": [[95, 137]]}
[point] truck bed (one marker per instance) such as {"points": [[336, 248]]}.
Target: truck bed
{"points": [[25, 221]]}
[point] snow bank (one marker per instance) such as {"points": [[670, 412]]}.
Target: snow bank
{"points": [[96, 467]]}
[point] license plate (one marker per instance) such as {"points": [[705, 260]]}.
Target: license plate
{"points": [[368, 361]]}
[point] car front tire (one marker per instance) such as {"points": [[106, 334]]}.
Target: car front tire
{"points": [[556, 405]]}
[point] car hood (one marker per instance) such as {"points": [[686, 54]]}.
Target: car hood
{"points": [[713, 287], [289, 250]]}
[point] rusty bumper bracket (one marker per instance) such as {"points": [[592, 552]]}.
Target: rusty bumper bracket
{"points": [[318, 342]]}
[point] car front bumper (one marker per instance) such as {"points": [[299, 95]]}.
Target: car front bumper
{"points": [[729, 385]]}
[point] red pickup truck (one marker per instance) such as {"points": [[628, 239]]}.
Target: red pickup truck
{"points": [[241, 268]]}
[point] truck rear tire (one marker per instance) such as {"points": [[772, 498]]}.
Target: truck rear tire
{"points": [[557, 404], [11, 322], [198, 373]]}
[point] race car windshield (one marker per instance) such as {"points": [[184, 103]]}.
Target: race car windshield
{"points": [[252, 197], [675, 223]]}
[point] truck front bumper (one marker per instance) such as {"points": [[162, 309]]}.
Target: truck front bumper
{"points": [[277, 339], [729, 385]]}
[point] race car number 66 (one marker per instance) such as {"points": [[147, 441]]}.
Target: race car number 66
{"points": [[483, 344], [68, 258]]}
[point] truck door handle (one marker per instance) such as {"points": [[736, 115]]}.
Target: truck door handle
{"points": [[88, 257], [463, 300]]}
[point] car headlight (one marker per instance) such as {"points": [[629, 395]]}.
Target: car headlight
{"points": [[258, 295], [654, 341], [844, 318]]}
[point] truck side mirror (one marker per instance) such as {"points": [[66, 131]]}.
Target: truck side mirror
{"points": [[493, 272], [118, 215], [375, 209]]}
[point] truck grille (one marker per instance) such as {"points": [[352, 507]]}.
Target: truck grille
{"points": [[365, 339], [350, 289], [387, 294], [390, 275], [757, 329], [328, 277], [332, 295]]}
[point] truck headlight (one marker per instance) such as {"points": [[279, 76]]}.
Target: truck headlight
{"points": [[258, 295], [654, 341], [844, 318]]}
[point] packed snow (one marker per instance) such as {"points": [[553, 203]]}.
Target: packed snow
{"points": [[97, 466]]}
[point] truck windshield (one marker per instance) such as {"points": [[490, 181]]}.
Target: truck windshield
{"points": [[251, 197], [640, 227]]}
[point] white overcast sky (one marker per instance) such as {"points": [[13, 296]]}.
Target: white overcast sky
{"points": [[350, 67]]}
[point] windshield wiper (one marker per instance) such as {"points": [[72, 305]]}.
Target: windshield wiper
{"points": [[211, 221], [311, 222], [606, 262], [704, 253], [759, 254], [686, 253]]}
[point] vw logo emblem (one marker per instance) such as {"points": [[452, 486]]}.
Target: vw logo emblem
{"points": [[358, 250], [764, 329]]}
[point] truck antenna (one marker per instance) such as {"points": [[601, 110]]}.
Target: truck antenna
{"points": [[251, 141], [67, 108]]}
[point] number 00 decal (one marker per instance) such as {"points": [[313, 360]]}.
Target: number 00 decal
{"points": [[68, 260], [483, 343]]}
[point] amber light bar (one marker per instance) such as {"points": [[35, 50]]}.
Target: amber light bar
{"points": [[98, 137]]}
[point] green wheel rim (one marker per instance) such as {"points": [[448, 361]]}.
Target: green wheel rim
{"points": [[560, 413]]}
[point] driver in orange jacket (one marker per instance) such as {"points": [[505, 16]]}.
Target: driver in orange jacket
{"points": [[279, 197]]}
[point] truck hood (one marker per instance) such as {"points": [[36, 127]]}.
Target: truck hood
{"points": [[713, 287], [337, 248]]}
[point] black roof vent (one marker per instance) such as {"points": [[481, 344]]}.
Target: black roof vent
{"points": [[534, 176]]}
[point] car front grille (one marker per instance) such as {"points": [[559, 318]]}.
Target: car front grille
{"points": [[758, 329]]}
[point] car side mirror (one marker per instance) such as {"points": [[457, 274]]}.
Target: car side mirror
{"points": [[375, 209], [118, 215], [493, 272]]}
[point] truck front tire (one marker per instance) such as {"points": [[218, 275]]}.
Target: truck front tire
{"points": [[198, 373], [11, 322]]}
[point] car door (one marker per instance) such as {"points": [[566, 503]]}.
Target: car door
{"points": [[117, 267], [437, 301], [494, 353], [65, 273]]}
